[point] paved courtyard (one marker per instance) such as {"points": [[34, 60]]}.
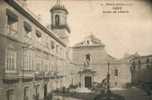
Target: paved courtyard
{"points": [[128, 94], [133, 94]]}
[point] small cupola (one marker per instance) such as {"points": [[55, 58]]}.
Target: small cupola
{"points": [[59, 17], [59, 23]]}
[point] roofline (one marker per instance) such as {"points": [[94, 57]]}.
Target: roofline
{"points": [[61, 27], [141, 57], [53, 9], [33, 20], [145, 56], [88, 46]]}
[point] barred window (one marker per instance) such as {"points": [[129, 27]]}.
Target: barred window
{"points": [[10, 61], [27, 60]]}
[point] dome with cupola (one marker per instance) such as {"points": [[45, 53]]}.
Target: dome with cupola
{"points": [[59, 24], [59, 6]]}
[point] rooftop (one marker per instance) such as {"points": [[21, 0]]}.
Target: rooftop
{"points": [[59, 7], [32, 18], [90, 41]]}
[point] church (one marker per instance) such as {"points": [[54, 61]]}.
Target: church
{"points": [[91, 50]]}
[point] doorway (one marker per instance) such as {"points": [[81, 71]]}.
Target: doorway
{"points": [[88, 82], [45, 91]]}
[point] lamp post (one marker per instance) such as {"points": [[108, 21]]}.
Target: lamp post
{"points": [[108, 92], [108, 95], [108, 77], [72, 78]]}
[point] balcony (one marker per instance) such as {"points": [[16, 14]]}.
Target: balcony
{"points": [[10, 77], [46, 75], [39, 75], [55, 75], [27, 75]]}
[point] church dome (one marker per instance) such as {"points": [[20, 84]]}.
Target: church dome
{"points": [[59, 7]]}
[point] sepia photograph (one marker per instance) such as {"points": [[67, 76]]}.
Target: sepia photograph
{"points": [[75, 50]]}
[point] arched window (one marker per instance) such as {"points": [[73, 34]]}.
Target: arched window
{"points": [[57, 20], [10, 59]]}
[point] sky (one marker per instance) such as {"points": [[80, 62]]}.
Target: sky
{"points": [[121, 32]]}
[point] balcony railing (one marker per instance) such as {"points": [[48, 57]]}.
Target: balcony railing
{"points": [[39, 75], [10, 77], [27, 73], [30, 75]]}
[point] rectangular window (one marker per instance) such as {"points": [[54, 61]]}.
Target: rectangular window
{"points": [[57, 48], [10, 62], [10, 95], [12, 22], [116, 72], [52, 45], [27, 60], [38, 64]]}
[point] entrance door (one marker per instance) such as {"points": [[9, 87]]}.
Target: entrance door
{"points": [[88, 82], [45, 91]]}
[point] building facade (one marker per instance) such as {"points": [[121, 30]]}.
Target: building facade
{"points": [[92, 48], [141, 71], [32, 57]]}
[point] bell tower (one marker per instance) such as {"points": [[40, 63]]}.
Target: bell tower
{"points": [[59, 21]]}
